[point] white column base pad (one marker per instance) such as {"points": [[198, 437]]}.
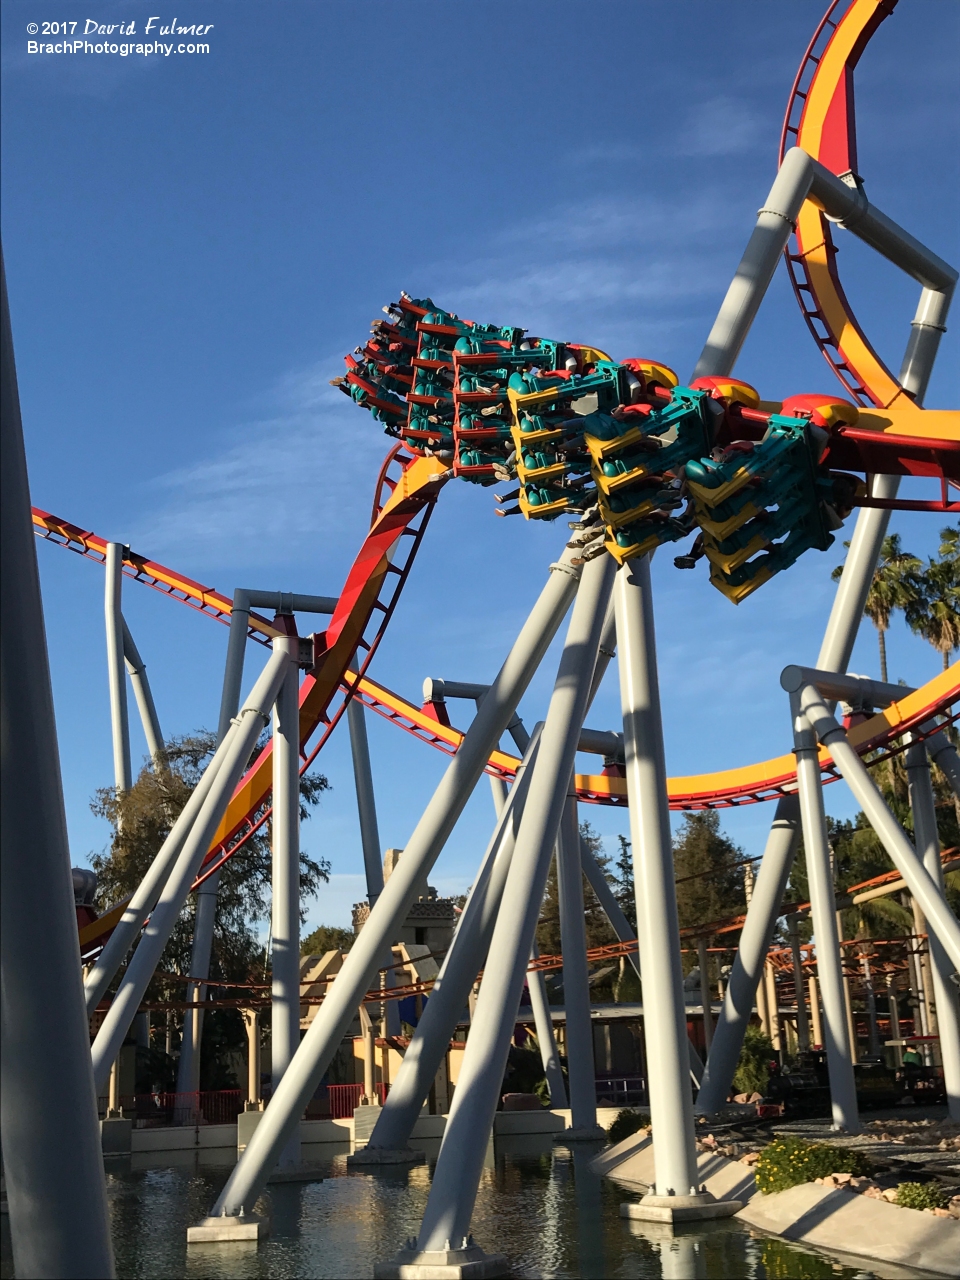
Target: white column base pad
{"points": [[442, 1264], [384, 1155], [589, 1133], [228, 1230], [654, 1208]]}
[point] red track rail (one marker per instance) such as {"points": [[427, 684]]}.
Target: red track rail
{"points": [[800, 277], [151, 573]]}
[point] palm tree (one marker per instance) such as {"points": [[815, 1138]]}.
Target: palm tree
{"points": [[894, 586], [934, 613]]}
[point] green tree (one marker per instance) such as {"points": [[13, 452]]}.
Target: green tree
{"points": [[141, 819], [753, 1067], [598, 929], [709, 881], [894, 586], [933, 612], [326, 937], [625, 891], [858, 855]]}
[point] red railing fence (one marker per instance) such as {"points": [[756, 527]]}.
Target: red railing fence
{"points": [[344, 1098]]}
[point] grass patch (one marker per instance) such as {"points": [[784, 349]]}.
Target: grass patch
{"points": [[921, 1195], [787, 1162]]}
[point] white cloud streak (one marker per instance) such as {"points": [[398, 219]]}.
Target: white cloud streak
{"points": [[279, 479]]}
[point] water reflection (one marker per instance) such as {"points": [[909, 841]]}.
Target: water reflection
{"points": [[538, 1204], [590, 1225]]}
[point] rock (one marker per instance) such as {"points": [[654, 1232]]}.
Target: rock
{"points": [[751, 1157], [872, 1192], [940, 1213], [841, 1178], [889, 1193]]}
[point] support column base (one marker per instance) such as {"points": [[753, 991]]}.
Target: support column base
{"points": [[587, 1133], [228, 1230], [384, 1155], [675, 1209], [115, 1135], [297, 1173], [442, 1264]]}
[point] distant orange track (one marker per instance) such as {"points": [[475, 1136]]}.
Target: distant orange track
{"points": [[749, 784]]}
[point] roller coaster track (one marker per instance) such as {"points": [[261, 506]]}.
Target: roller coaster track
{"points": [[819, 119], [731, 788], [748, 784]]}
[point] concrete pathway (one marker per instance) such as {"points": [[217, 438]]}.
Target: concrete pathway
{"points": [[837, 1221]]}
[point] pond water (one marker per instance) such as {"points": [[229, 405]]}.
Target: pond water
{"points": [[540, 1205]]}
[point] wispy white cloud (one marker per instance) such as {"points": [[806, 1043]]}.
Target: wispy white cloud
{"points": [[277, 479], [608, 269], [625, 273], [721, 126]]}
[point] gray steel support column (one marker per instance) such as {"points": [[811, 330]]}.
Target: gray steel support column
{"points": [[944, 755], [576, 974], [120, 727], [233, 668], [245, 599], [815, 1019], [921, 884], [858, 570], [464, 958], [148, 891], [872, 522], [751, 955], [658, 931], [843, 1089], [546, 1037], [205, 908], [422, 849], [944, 989], [59, 1224], [703, 960], [234, 752], [894, 1015], [803, 1025], [801, 177], [536, 983], [285, 909], [611, 907], [204, 920], [621, 927], [871, 1002], [607, 651], [453, 1192], [366, 799], [137, 671], [370, 835], [835, 653]]}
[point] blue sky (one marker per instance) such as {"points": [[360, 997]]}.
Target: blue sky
{"points": [[192, 243]]}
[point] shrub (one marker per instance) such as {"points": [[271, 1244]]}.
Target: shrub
{"points": [[753, 1070], [921, 1195], [789, 1161], [627, 1123]]}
